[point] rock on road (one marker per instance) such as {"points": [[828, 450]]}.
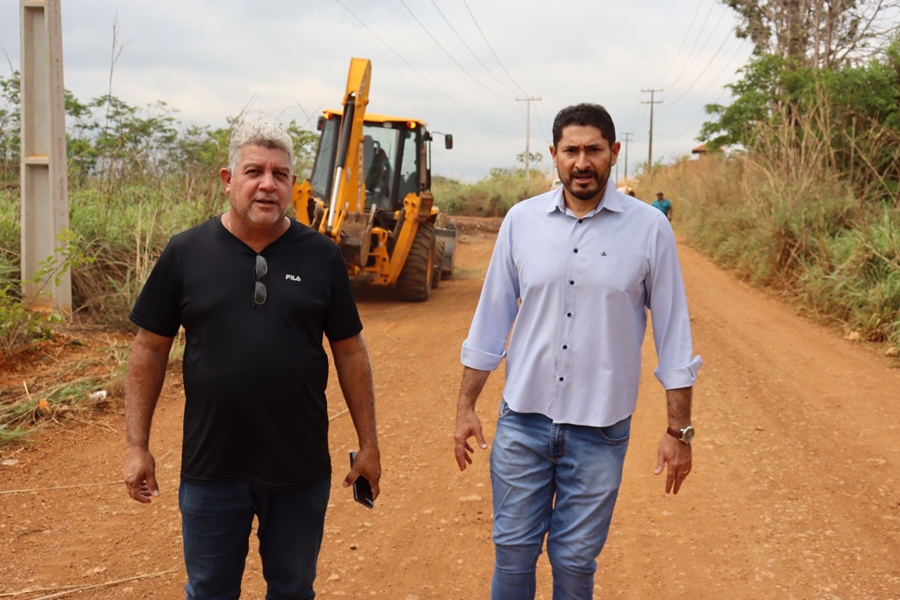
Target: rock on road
{"points": [[794, 494]]}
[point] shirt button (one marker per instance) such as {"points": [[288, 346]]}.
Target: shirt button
{"points": [[565, 347], [571, 283], [580, 220], [562, 378], [568, 314], [576, 250]]}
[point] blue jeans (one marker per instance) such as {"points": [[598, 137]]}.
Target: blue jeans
{"points": [[216, 519], [556, 480]]}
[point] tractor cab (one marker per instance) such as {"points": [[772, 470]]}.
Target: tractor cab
{"points": [[394, 160]]}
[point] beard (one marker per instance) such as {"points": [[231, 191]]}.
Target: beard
{"points": [[270, 215], [595, 187]]}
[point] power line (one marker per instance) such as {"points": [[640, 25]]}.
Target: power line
{"points": [[727, 64], [708, 65], [680, 48], [417, 72], [472, 52], [691, 53], [715, 100], [696, 121], [450, 56], [484, 37], [548, 136]]}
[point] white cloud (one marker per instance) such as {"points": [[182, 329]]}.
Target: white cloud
{"points": [[211, 59]]}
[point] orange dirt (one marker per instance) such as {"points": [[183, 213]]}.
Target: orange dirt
{"points": [[795, 491]]}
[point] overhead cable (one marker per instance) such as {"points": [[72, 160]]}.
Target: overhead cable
{"points": [[484, 37], [689, 61], [450, 56], [472, 52], [680, 48], [417, 72], [702, 72]]}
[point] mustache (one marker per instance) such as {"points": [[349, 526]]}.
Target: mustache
{"points": [[581, 172]]}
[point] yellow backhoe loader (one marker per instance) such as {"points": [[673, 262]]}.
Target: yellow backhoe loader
{"points": [[370, 191]]}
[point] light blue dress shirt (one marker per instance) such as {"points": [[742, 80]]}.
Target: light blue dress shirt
{"points": [[578, 291]]}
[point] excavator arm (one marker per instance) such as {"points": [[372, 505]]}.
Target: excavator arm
{"points": [[348, 191]]}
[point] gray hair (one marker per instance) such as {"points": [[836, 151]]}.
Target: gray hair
{"points": [[258, 133]]}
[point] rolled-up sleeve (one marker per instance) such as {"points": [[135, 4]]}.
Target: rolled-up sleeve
{"points": [[671, 320], [485, 346]]}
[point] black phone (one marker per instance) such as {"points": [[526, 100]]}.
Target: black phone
{"points": [[362, 491]]}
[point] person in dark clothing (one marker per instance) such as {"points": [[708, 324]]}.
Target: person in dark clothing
{"points": [[255, 292]]}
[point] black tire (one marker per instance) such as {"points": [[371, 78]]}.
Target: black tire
{"points": [[438, 261], [414, 282]]}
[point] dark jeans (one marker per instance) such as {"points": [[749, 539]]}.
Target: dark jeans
{"points": [[216, 520]]}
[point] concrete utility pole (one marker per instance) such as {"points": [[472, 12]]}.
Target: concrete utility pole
{"points": [[627, 139], [528, 141], [44, 183], [651, 103]]}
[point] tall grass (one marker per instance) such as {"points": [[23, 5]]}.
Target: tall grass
{"points": [[121, 235], [124, 237], [783, 216], [489, 197]]}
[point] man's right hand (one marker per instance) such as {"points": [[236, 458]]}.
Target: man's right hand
{"points": [[140, 474], [467, 425]]}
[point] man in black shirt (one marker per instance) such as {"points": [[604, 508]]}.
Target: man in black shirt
{"points": [[255, 292]]}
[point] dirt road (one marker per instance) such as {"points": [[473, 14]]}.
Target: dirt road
{"points": [[795, 491]]}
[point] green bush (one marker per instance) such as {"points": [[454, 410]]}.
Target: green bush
{"points": [[491, 196]]}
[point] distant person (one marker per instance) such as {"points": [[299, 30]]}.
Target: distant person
{"points": [[255, 292], [664, 205], [579, 302]]}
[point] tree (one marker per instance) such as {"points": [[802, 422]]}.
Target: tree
{"points": [[535, 158], [818, 33], [9, 127]]}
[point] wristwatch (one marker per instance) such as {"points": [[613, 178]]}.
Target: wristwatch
{"points": [[685, 435]]}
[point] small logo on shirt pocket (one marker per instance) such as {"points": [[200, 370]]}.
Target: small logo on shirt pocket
{"points": [[290, 277]]}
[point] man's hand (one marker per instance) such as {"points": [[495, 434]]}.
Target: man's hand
{"points": [[143, 382], [467, 422], [140, 474], [677, 455], [467, 425], [366, 464]]}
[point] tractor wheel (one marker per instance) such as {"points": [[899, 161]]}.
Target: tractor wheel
{"points": [[438, 261], [414, 282]]}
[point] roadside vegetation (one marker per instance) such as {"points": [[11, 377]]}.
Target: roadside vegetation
{"points": [[799, 191]]}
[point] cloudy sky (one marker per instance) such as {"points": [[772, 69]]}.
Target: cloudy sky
{"points": [[460, 65]]}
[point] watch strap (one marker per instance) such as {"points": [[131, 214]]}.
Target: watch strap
{"points": [[685, 436]]}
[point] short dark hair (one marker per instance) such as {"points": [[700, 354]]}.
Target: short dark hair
{"points": [[584, 114]]}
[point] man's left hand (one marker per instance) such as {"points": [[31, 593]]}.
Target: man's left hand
{"points": [[677, 456]]}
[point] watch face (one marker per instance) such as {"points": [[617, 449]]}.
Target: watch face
{"points": [[687, 434]]}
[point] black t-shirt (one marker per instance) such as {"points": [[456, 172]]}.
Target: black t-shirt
{"points": [[254, 376]]}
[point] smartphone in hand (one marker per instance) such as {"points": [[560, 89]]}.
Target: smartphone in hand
{"points": [[362, 491]]}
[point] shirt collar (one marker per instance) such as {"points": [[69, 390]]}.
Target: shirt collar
{"points": [[610, 201]]}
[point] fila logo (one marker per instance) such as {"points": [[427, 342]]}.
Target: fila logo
{"points": [[291, 277], [603, 254]]}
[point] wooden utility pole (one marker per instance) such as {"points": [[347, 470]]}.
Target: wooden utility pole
{"points": [[651, 103], [44, 183], [528, 140], [626, 140]]}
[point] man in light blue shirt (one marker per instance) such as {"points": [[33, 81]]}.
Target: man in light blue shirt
{"points": [[576, 269], [663, 204]]}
